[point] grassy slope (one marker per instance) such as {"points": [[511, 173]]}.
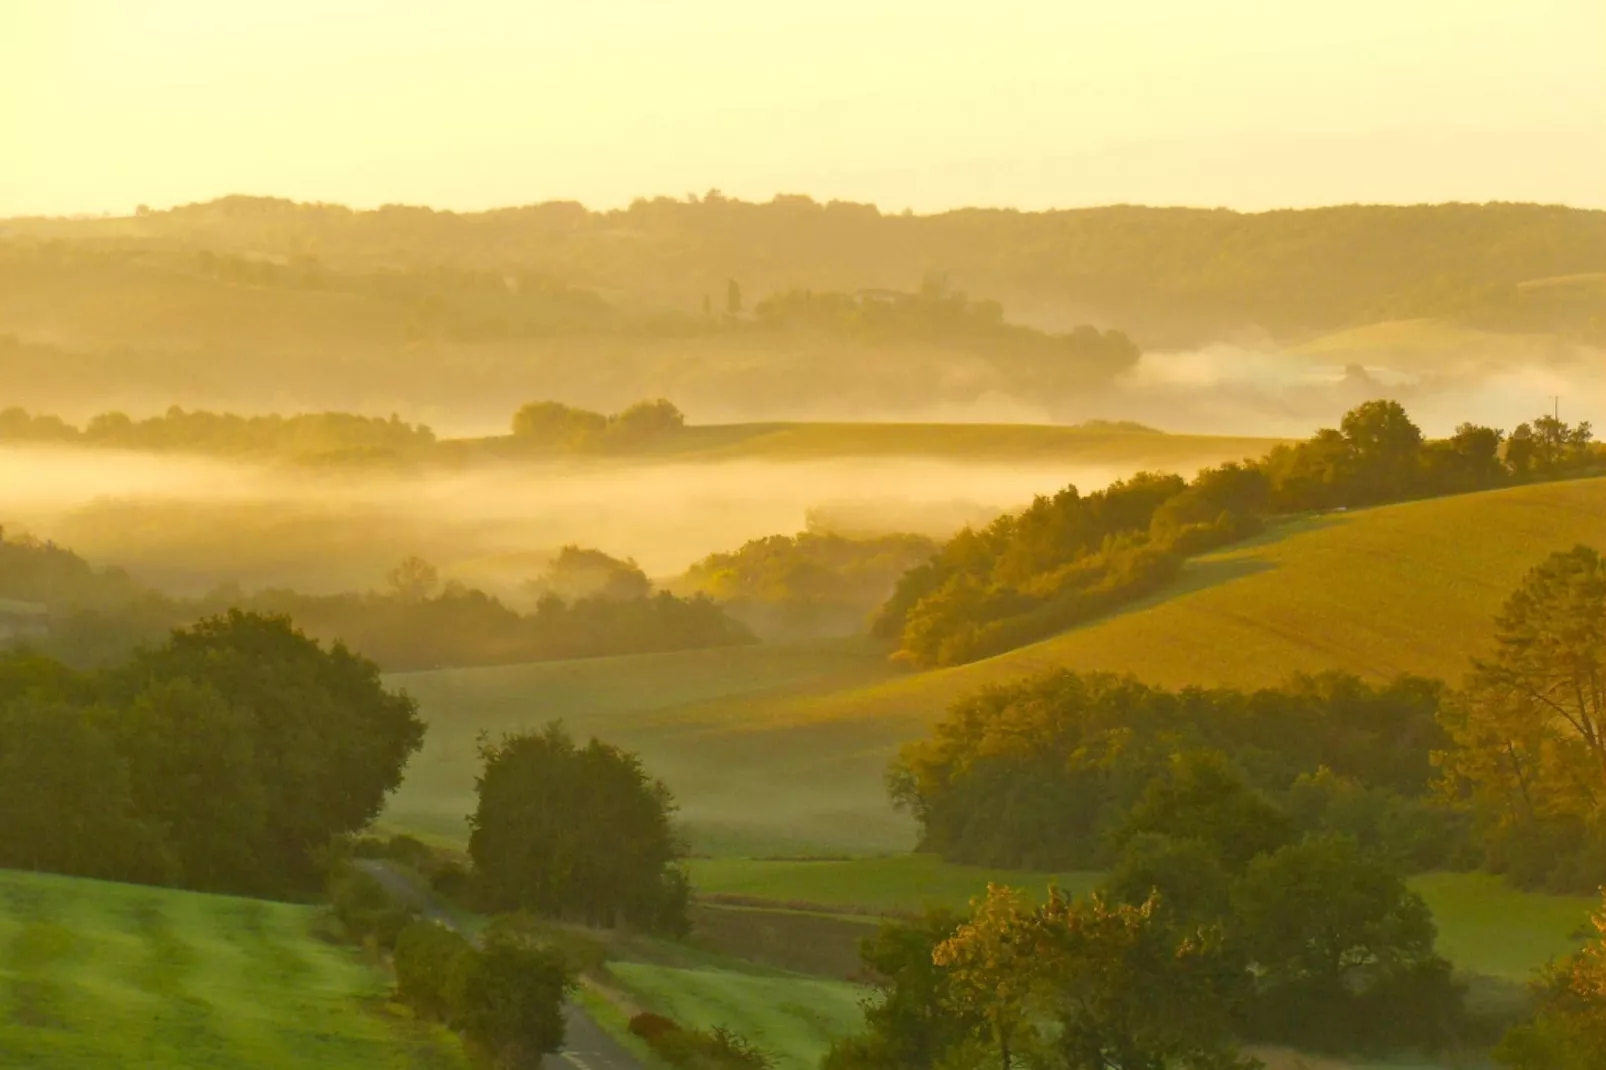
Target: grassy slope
{"points": [[793, 1017], [694, 717], [94, 974], [782, 749]]}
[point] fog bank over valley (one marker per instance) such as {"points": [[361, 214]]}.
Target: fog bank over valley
{"points": [[186, 524]]}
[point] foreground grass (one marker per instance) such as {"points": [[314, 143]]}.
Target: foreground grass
{"points": [[782, 750], [94, 974]]}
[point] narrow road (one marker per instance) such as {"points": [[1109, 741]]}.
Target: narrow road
{"points": [[586, 1045]]}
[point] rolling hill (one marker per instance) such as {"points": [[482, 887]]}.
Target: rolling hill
{"points": [[782, 749], [96, 974]]}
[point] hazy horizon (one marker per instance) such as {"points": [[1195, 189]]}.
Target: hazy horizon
{"points": [[1025, 105]]}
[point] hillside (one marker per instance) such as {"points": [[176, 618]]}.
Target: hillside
{"points": [[983, 314], [782, 749], [94, 974], [1173, 275]]}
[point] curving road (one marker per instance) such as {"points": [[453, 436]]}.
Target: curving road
{"points": [[586, 1045]]}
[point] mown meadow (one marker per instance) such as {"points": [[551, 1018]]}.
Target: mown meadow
{"points": [[98, 974]]}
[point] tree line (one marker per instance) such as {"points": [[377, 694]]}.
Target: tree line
{"points": [[553, 427], [588, 605], [1170, 967], [1175, 276], [1072, 771], [814, 583], [1070, 557], [224, 759], [309, 436]]}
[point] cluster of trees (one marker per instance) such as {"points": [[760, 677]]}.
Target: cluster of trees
{"points": [[1070, 771], [552, 427], [1377, 454], [1052, 772], [224, 759], [1070, 557], [811, 584], [1313, 945], [588, 605], [578, 573], [36, 570], [420, 623], [1063, 560], [578, 833], [949, 318], [307, 436]]}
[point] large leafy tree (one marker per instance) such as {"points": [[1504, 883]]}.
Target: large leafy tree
{"points": [[192, 762], [579, 832], [65, 801], [1529, 732], [911, 1023], [1201, 797], [1342, 952], [1386, 448], [1124, 989], [244, 715], [995, 966]]}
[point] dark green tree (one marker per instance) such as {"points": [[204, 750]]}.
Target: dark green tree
{"points": [[576, 832], [1200, 797], [327, 741], [65, 801], [193, 771], [1342, 952], [507, 998], [1187, 876], [1387, 449]]}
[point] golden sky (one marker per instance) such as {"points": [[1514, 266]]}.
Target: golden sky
{"points": [[475, 103]]}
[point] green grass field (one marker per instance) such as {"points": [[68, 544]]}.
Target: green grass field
{"points": [[94, 974], [781, 750], [794, 1018], [1489, 928], [891, 883]]}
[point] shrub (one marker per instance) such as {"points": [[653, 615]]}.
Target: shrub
{"points": [[364, 909], [508, 999], [427, 956]]}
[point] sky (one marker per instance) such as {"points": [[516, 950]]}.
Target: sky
{"points": [[106, 104]]}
